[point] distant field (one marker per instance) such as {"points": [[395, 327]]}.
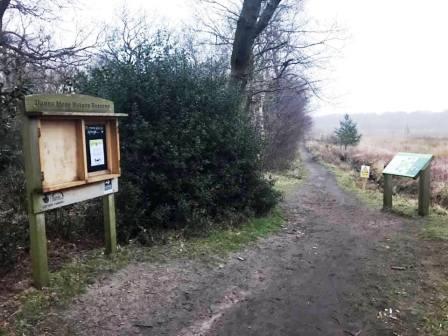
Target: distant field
{"points": [[384, 148], [387, 124], [378, 151], [391, 145]]}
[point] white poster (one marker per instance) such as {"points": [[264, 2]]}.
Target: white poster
{"points": [[96, 152]]}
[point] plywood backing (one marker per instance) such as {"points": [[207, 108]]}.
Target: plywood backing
{"points": [[60, 152]]}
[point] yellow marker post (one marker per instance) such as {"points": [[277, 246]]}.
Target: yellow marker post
{"points": [[364, 174]]}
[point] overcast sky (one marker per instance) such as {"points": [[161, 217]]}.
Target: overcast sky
{"points": [[394, 57]]}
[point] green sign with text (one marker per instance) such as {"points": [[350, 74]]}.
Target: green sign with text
{"points": [[408, 164], [67, 103]]}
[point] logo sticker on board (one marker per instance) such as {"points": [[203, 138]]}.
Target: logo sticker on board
{"points": [[53, 199], [108, 186]]}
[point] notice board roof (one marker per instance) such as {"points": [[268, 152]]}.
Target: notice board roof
{"points": [[69, 105], [408, 164]]}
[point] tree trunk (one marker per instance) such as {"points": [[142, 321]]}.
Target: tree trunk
{"points": [[250, 25], [244, 41], [3, 7]]}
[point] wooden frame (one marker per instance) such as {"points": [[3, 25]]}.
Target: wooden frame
{"points": [[422, 172], [65, 166], [56, 170]]}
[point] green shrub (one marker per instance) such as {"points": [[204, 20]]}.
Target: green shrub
{"points": [[13, 221], [190, 156]]}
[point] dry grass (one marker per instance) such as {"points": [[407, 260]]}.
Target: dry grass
{"points": [[435, 146], [378, 151], [385, 149]]}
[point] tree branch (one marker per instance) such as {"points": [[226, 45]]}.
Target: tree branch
{"points": [[266, 16]]}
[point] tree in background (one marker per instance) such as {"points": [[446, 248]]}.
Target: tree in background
{"points": [[30, 62], [271, 50], [347, 133], [253, 20], [266, 40], [286, 121], [28, 54]]}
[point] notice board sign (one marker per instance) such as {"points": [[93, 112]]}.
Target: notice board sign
{"points": [[408, 164], [71, 154], [67, 103], [73, 140], [57, 199], [96, 148]]}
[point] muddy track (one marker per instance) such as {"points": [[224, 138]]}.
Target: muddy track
{"points": [[325, 273]]}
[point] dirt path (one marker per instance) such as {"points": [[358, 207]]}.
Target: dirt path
{"points": [[325, 273]]}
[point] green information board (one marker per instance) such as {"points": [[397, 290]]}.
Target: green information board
{"points": [[408, 164]]}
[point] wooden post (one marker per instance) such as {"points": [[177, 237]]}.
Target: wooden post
{"points": [[387, 197], [110, 223], [38, 238], [424, 192], [364, 183], [39, 259]]}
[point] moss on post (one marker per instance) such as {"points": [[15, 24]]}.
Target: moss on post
{"points": [[38, 238], [110, 229], [39, 259]]}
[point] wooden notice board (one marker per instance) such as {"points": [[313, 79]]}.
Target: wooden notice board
{"points": [[78, 140], [412, 165], [72, 153]]}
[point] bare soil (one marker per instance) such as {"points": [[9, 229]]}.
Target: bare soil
{"points": [[18, 280], [335, 268]]}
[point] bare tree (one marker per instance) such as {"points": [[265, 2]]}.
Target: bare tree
{"points": [[286, 121], [272, 50], [27, 50], [252, 21], [130, 36], [267, 40]]}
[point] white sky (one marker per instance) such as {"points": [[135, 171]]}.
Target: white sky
{"points": [[394, 57]]}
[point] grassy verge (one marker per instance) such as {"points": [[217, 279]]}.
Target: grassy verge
{"points": [[221, 242], [291, 179], [433, 312], [435, 226], [73, 278]]}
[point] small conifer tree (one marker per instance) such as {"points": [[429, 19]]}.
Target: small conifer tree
{"points": [[347, 133]]}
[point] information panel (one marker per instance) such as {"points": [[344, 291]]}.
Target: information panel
{"points": [[96, 147], [57, 199], [408, 164], [365, 171]]}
